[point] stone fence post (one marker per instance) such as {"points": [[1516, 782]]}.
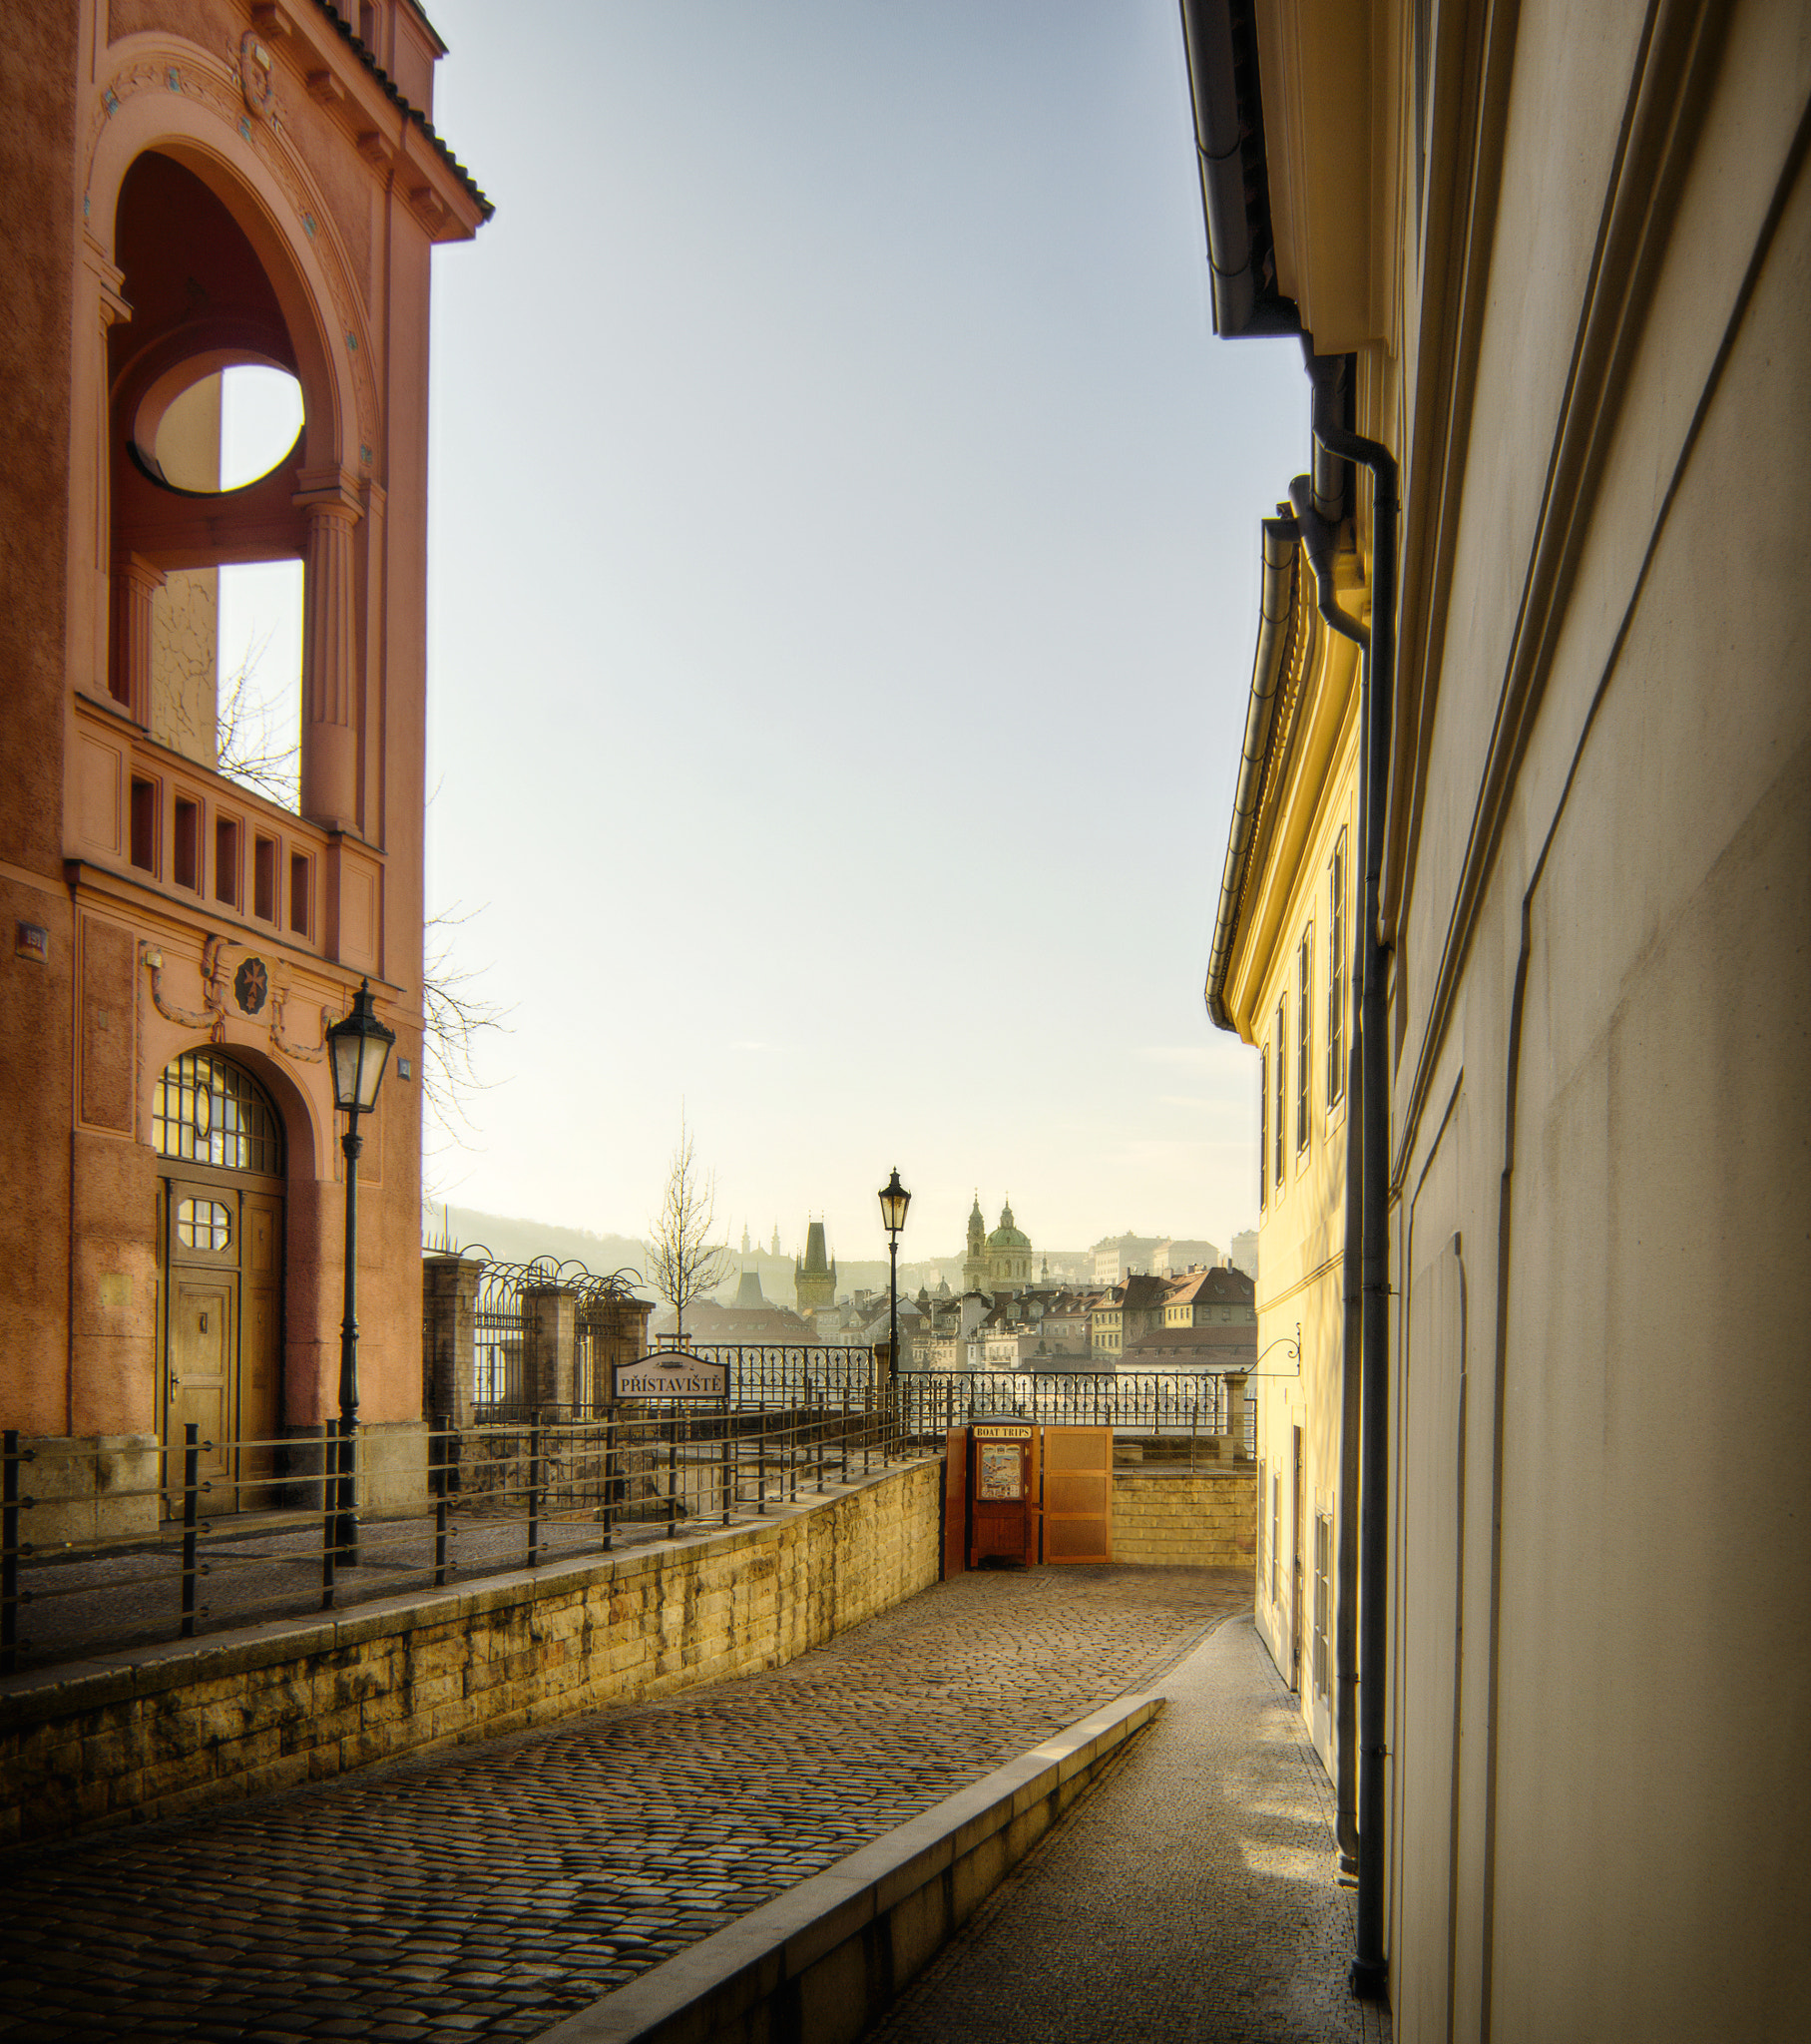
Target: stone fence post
{"points": [[1233, 1441], [449, 1301], [549, 1330]]}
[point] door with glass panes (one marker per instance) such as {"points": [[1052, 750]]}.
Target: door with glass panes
{"points": [[220, 1216]]}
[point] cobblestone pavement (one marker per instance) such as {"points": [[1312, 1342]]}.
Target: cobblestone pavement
{"points": [[1191, 1896], [489, 1893]]}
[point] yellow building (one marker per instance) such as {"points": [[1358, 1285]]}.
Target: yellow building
{"points": [[1280, 976], [1541, 1477]]}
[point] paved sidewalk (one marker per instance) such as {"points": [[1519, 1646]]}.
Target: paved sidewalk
{"points": [[1191, 1895], [488, 1893]]}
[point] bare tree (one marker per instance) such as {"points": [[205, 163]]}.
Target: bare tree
{"points": [[250, 748], [683, 1264], [454, 1015], [247, 750]]}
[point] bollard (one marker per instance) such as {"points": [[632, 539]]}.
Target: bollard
{"points": [[822, 1424], [534, 1489], [724, 1459], [192, 1469], [442, 1448], [9, 1552], [330, 1499], [610, 1475]]}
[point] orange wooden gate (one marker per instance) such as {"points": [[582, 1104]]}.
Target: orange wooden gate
{"points": [[1078, 1493]]}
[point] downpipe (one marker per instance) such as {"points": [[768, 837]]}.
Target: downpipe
{"points": [[1370, 1968]]}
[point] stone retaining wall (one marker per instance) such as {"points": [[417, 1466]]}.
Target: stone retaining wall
{"points": [[175, 1728], [1203, 1519]]}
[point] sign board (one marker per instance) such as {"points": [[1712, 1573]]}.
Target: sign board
{"points": [[671, 1374], [1001, 1433], [999, 1471]]}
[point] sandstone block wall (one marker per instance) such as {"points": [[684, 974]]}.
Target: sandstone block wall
{"points": [[177, 1727], [1206, 1519]]}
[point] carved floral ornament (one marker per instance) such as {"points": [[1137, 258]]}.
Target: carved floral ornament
{"points": [[249, 988], [225, 89]]}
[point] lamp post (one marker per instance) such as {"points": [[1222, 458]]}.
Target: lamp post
{"points": [[358, 1050], [894, 1200]]}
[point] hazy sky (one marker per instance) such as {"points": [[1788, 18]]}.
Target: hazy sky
{"points": [[844, 587]]}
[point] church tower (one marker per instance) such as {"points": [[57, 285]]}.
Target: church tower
{"points": [[974, 1262], [813, 1274]]}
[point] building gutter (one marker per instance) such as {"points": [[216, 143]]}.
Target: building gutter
{"points": [[1220, 41], [1276, 611], [1367, 1189]]}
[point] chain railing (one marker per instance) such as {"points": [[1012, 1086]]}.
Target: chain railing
{"points": [[497, 1496]]}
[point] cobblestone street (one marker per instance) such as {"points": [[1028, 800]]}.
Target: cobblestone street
{"points": [[488, 1893]]}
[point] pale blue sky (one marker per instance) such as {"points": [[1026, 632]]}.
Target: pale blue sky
{"points": [[844, 540]]}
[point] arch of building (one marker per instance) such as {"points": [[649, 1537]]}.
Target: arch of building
{"points": [[243, 211]]}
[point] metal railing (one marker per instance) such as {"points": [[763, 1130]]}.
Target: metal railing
{"points": [[241, 1535], [1190, 1403]]}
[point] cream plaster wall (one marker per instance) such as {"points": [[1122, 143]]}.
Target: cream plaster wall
{"points": [[1601, 1160], [185, 642]]}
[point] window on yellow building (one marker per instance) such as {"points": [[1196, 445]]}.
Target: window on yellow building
{"points": [[1336, 973], [1282, 1060], [1263, 1127], [1323, 1602], [1304, 1008]]}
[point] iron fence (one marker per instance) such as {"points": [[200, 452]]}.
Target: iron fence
{"points": [[226, 1548], [1165, 1403], [761, 1374]]}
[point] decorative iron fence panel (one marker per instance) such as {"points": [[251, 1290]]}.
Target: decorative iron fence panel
{"points": [[765, 1374], [1145, 1403]]}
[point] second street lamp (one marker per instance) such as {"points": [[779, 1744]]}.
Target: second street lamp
{"points": [[894, 1200], [358, 1049]]}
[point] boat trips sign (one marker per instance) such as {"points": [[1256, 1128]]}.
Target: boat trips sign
{"points": [[672, 1373]]}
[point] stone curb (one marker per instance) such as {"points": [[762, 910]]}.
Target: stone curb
{"points": [[820, 1962]]}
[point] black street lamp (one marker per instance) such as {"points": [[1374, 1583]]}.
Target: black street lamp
{"points": [[894, 1200], [358, 1048]]}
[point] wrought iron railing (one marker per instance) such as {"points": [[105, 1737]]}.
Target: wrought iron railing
{"points": [[1162, 1402], [493, 1497]]}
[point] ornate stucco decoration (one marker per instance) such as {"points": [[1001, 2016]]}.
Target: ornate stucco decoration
{"points": [[211, 1016], [301, 1053]]}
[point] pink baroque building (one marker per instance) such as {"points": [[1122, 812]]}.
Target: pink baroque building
{"points": [[188, 188]]}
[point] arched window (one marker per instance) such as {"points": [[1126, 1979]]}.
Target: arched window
{"points": [[210, 1111]]}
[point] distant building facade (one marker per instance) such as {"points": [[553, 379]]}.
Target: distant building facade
{"points": [[998, 1262], [1170, 1259], [1119, 1255]]}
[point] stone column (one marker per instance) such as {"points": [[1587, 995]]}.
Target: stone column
{"points": [[449, 1301], [91, 596], [135, 584], [622, 1337], [550, 1326], [330, 668], [1233, 1441]]}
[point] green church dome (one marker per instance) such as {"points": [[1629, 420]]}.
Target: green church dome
{"points": [[1006, 1236]]}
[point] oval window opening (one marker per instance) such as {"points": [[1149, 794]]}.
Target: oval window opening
{"points": [[229, 430]]}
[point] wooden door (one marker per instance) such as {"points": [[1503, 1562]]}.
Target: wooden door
{"points": [[203, 1350], [1078, 1493], [222, 1336]]}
